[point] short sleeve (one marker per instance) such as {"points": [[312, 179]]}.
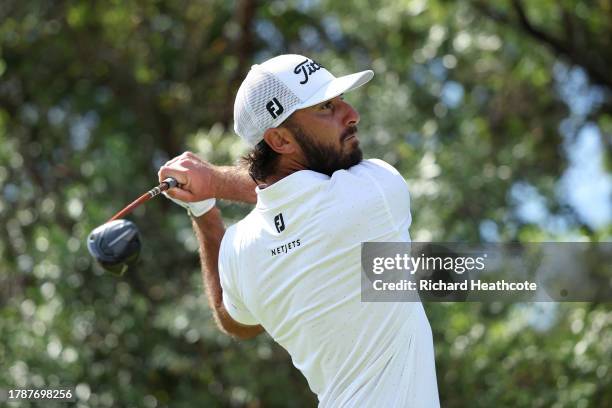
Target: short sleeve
{"points": [[392, 186], [230, 284]]}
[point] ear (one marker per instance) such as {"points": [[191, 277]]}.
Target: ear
{"points": [[281, 140]]}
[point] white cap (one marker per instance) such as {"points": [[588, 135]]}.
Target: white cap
{"points": [[275, 89]]}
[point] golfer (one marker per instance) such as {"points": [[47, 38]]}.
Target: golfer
{"points": [[292, 266]]}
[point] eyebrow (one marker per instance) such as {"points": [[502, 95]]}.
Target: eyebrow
{"points": [[318, 105], [328, 100]]}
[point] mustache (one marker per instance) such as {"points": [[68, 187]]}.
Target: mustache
{"points": [[349, 131]]}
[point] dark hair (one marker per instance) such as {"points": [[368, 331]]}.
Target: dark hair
{"points": [[261, 161]]}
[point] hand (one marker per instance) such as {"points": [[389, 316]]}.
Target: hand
{"points": [[195, 176]]}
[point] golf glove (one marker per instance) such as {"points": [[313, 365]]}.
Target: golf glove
{"points": [[197, 208]]}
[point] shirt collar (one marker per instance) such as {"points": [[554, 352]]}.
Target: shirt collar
{"points": [[287, 188]]}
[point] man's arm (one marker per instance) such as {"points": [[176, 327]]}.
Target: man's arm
{"points": [[235, 184], [209, 230], [201, 180]]}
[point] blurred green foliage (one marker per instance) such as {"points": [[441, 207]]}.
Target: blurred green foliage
{"points": [[472, 101]]}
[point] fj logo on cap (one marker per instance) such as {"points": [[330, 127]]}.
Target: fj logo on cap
{"points": [[306, 68], [279, 223], [275, 108]]}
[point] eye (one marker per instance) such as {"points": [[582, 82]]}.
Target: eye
{"points": [[327, 105]]}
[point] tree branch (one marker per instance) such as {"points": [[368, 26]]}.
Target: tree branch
{"points": [[597, 71], [244, 46]]}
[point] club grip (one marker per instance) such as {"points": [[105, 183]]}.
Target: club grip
{"points": [[163, 186], [171, 182]]}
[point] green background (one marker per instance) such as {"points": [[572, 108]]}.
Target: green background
{"points": [[492, 111]]}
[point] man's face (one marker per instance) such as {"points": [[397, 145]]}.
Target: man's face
{"points": [[327, 136]]}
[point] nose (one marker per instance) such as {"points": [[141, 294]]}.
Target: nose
{"points": [[351, 116]]}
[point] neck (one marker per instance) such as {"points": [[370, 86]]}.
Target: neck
{"points": [[286, 167]]}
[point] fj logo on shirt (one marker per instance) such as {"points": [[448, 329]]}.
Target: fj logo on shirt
{"points": [[306, 68], [275, 108], [279, 223]]}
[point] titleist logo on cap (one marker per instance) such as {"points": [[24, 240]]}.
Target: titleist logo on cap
{"points": [[307, 68]]}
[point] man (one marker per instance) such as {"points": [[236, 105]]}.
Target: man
{"points": [[292, 266]]}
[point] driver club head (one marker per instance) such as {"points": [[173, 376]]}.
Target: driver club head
{"points": [[115, 245]]}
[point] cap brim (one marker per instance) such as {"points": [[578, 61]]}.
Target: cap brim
{"points": [[337, 87]]}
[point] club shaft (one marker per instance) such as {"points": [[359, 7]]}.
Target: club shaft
{"points": [[164, 185]]}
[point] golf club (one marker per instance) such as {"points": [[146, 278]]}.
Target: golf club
{"points": [[116, 244]]}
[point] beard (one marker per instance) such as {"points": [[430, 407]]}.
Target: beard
{"points": [[324, 158]]}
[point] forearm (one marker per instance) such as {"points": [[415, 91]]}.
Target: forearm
{"points": [[234, 183], [200, 180], [209, 230]]}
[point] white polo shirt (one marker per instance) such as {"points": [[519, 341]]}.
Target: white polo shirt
{"points": [[293, 266]]}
